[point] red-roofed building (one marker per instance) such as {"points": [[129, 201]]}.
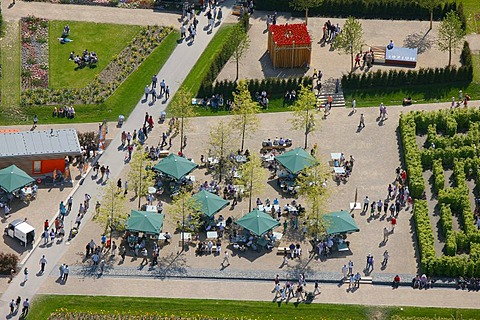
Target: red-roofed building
{"points": [[289, 45]]}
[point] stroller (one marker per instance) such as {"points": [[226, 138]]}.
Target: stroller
{"points": [[163, 115], [121, 118]]}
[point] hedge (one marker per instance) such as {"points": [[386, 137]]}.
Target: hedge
{"points": [[424, 76], [457, 151], [381, 9]]}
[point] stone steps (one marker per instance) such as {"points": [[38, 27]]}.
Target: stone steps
{"points": [[328, 88]]}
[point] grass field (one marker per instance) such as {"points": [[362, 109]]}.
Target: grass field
{"points": [[471, 7], [125, 97], [194, 78], [106, 40], [45, 305]]}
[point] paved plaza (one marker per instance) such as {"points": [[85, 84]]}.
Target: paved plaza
{"points": [[183, 274]]}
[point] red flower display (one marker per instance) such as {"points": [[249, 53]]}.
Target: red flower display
{"points": [[289, 34]]}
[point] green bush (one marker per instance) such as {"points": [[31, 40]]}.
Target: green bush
{"points": [[438, 175], [450, 244], [424, 233], [381, 9], [8, 261], [446, 218], [475, 251]]}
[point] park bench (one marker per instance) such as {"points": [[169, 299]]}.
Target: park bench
{"points": [[363, 280]]}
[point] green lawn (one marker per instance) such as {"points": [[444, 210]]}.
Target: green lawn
{"points": [[125, 97], [10, 81], [107, 40], [45, 305], [471, 7], [194, 78]]}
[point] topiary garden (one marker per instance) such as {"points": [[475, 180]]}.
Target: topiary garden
{"points": [[440, 144]]}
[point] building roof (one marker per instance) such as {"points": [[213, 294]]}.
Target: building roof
{"points": [[47, 142]]}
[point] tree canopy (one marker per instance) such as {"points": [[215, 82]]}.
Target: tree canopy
{"points": [[304, 112], [305, 5], [183, 109], [350, 39], [245, 111]]}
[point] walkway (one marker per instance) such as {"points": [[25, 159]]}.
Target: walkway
{"points": [[262, 291], [174, 72]]}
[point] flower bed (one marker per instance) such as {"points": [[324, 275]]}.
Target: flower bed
{"points": [[117, 71], [130, 4], [64, 315], [34, 35]]}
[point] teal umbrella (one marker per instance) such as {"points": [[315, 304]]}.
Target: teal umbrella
{"points": [[257, 222], [12, 178], [146, 222], [175, 166], [296, 160], [209, 203], [339, 222]]}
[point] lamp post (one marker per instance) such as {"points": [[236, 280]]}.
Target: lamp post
{"points": [[140, 182], [251, 188]]}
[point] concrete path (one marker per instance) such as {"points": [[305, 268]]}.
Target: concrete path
{"points": [[174, 72], [262, 291]]}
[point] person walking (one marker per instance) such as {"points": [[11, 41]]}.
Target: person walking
{"points": [[69, 204], [366, 202], [122, 252], [107, 172], [354, 106], [42, 263], [386, 256], [66, 271], [350, 267], [344, 271], [393, 221], [62, 270], [25, 273], [12, 307], [167, 93], [225, 260], [316, 287], [26, 306], [358, 277], [385, 234], [361, 125]]}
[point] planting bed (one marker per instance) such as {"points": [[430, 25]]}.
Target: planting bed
{"points": [[451, 144]]}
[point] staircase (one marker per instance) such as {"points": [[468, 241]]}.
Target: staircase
{"points": [[328, 88], [378, 54]]}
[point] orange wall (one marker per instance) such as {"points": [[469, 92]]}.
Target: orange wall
{"points": [[49, 165]]}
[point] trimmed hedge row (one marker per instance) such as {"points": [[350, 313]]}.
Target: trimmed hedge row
{"points": [[275, 86], [412, 154], [382, 9], [452, 150], [424, 76]]}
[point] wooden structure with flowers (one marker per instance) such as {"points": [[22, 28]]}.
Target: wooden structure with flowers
{"points": [[290, 45]]}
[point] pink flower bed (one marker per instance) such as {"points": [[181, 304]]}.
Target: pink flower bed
{"points": [[34, 33]]}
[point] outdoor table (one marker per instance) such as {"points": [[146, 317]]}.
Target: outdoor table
{"points": [[342, 247], [222, 223], [27, 191], [278, 236], [267, 208], [262, 242], [339, 170], [282, 173], [161, 236], [261, 207], [292, 209], [239, 238], [336, 155], [268, 158], [212, 235], [187, 236], [240, 158], [213, 160], [191, 178], [150, 208], [152, 190]]}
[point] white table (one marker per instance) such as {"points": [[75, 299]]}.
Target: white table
{"points": [[186, 236], [152, 190], [278, 236], [261, 207], [212, 235], [151, 208], [339, 170], [27, 190], [191, 178], [161, 236], [222, 223], [213, 160], [336, 155], [268, 158], [240, 158], [267, 208]]}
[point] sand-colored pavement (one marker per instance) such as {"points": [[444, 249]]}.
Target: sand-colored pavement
{"points": [[260, 291]]}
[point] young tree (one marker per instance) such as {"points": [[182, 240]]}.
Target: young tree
{"points": [[430, 5], [220, 142], [450, 34], [112, 212], [350, 39], [305, 5], [252, 176], [241, 45], [304, 111], [139, 178], [186, 213], [183, 109], [245, 111], [312, 186]]}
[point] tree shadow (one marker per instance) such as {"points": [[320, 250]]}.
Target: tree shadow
{"points": [[171, 265], [421, 42]]}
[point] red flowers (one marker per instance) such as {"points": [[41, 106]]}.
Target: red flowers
{"points": [[290, 34]]}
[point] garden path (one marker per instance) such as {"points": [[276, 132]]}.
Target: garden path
{"points": [[174, 72]]}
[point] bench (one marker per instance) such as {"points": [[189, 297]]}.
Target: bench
{"points": [[364, 280], [198, 101], [281, 250]]}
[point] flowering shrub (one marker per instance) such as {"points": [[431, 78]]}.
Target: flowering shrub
{"points": [[104, 84], [34, 35], [141, 4]]}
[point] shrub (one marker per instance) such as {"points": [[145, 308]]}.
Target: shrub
{"points": [[8, 261], [475, 251], [424, 233], [438, 175]]}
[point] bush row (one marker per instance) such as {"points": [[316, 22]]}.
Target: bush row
{"points": [[413, 155], [457, 140], [424, 76], [382, 9], [455, 266], [221, 58], [275, 86], [447, 155], [424, 233], [438, 175], [463, 118]]}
